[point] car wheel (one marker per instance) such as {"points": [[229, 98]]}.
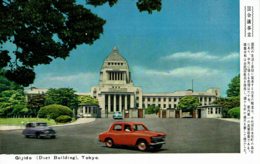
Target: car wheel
{"points": [[37, 135], [142, 145], [157, 147], [26, 136], [109, 143]]}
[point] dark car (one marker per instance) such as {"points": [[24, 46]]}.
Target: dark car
{"points": [[38, 130]]}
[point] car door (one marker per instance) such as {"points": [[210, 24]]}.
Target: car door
{"points": [[128, 138], [116, 134]]}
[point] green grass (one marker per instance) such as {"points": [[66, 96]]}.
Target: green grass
{"points": [[23, 121]]}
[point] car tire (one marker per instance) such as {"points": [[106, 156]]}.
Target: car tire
{"points": [[142, 145], [109, 143], [157, 147], [26, 136], [37, 135]]}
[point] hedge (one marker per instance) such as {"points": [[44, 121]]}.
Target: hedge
{"points": [[234, 112], [53, 111], [63, 119]]}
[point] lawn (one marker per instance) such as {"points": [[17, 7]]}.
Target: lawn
{"points": [[23, 121]]}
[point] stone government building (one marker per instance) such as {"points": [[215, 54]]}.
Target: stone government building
{"points": [[117, 92]]}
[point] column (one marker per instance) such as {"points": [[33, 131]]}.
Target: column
{"points": [[114, 103], [125, 102], [132, 102], [120, 103], [109, 103], [84, 110]]}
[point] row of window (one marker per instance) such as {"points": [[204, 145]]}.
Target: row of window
{"points": [[214, 110], [172, 99], [89, 110], [115, 63]]}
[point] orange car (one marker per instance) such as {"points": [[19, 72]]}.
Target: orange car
{"points": [[132, 134]]}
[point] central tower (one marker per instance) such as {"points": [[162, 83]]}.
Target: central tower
{"points": [[116, 91], [115, 70]]}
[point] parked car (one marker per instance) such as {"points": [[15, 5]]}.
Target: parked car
{"points": [[117, 115], [132, 134], [38, 130]]}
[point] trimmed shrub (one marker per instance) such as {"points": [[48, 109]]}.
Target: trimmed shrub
{"points": [[53, 111], [63, 119], [234, 112]]}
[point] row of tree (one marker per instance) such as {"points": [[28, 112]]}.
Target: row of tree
{"points": [[15, 103]]}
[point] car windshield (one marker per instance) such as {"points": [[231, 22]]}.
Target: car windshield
{"points": [[139, 127], [41, 124]]}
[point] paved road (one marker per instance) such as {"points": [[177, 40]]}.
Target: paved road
{"points": [[183, 136]]}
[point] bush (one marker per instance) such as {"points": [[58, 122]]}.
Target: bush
{"points": [[53, 111], [234, 112], [63, 119]]}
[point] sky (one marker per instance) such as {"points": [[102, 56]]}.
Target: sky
{"points": [[187, 39]]}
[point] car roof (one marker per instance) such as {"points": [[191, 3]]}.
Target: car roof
{"points": [[127, 122], [36, 123]]}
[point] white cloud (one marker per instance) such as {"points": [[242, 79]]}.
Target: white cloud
{"points": [[200, 56], [192, 71], [231, 56], [74, 77], [81, 82]]}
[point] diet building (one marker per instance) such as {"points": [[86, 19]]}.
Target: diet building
{"points": [[117, 92]]}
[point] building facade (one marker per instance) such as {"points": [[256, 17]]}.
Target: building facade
{"points": [[116, 91]]}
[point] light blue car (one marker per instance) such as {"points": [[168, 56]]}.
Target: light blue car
{"points": [[117, 115]]}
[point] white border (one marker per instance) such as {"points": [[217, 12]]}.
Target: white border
{"points": [[238, 158]]}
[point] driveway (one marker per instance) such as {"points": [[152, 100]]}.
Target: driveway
{"points": [[183, 136]]}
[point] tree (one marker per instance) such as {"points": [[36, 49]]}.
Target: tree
{"points": [[234, 87], [62, 96], [6, 84], [45, 30], [234, 112], [54, 111], [12, 103], [87, 100], [152, 109], [188, 103], [34, 103], [227, 104]]}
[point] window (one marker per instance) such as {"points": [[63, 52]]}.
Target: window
{"points": [[170, 106], [209, 99], [117, 127], [148, 99], [153, 99], [175, 99], [164, 105], [164, 99], [211, 110], [216, 110], [127, 128], [140, 127], [170, 99], [159, 99]]}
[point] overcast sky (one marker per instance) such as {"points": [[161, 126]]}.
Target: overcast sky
{"points": [[188, 39]]}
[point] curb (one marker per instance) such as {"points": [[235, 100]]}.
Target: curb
{"points": [[15, 127]]}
